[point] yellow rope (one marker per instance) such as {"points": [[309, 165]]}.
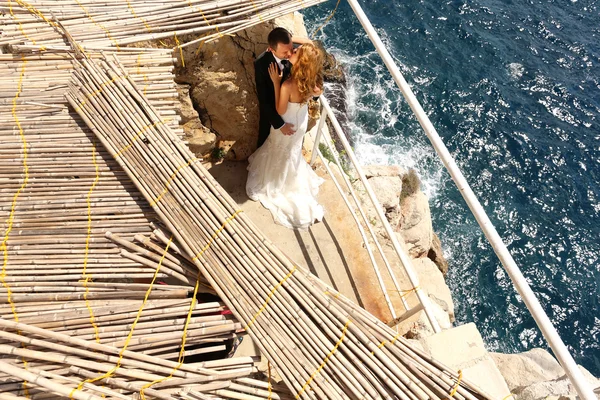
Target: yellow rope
{"points": [[324, 361], [11, 216], [196, 8], [257, 12], [41, 15], [327, 20], [133, 325], [509, 395], [98, 91], [200, 46], [85, 275], [37, 12], [98, 24], [183, 340], [336, 296], [455, 388], [264, 305], [170, 180], [180, 49], [148, 28], [42, 48], [137, 136], [182, 351], [270, 387], [214, 236], [143, 74], [380, 345], [407, 292], [139, 133]]}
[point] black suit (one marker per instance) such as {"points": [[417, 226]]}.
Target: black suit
{"points": [[266, 95]]}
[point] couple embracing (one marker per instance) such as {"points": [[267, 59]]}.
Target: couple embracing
{"points": [[278, 175]]}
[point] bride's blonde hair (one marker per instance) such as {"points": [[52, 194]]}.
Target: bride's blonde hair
{"points": [[306, 72]]}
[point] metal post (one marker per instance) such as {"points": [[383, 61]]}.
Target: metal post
{"points": [[558, 347], [318, 137]]}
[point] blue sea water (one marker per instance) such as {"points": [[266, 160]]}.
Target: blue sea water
{"points": [[513, 88]]}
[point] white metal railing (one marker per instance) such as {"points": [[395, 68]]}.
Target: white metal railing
{"points": [[558, 347], [395, 319], [327, 112]]}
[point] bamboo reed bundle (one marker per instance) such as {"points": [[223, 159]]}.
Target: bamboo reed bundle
{"points": [[38, 24], [60, 193], [68, 357], [321, 345], [45, 222]]}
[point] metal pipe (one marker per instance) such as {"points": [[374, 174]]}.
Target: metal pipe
{"points": [[364, 217], [318, 137], [386, 296], [558, 347], [404, 259]]}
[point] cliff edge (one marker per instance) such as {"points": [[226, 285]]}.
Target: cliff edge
{"points": [[219, 112]]}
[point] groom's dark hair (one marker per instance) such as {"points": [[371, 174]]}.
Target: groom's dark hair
{"points": [[279, 35]]}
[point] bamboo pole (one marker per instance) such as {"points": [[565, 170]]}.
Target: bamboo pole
{"points": [[299, 309]]}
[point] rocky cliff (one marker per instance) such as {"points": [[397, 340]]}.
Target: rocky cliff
{"points": [[220, 118], [218, 77]]}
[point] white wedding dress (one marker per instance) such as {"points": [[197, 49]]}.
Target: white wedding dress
{"points": [[280, 178]]}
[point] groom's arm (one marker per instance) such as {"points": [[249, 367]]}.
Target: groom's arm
{"points": [[264, 100]]}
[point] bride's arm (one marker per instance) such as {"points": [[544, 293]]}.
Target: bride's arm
{"points": [[282, 96], [282, 92]]}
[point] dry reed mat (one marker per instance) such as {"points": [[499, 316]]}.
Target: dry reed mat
{"points": [[58, 362], [321, 344], [60, 191], [78, 247], [113, 24]]}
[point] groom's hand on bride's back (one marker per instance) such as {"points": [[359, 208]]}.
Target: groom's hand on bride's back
{"points": [[288, 129]]}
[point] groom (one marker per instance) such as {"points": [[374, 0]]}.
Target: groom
{"points": [[280, 49]]}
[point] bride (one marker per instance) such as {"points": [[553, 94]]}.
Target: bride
{"points": [[278, 176]]}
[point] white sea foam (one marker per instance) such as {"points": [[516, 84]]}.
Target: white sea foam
{"points": [[516, 70], [370, 145]]}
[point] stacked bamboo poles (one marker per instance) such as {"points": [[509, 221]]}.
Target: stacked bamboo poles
{"points": [[76, 233], [321, 344], [58, 362], [74, 191], [157, 331], [36, 24]]}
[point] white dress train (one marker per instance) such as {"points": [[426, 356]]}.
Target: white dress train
{"points": [[280, 178]]}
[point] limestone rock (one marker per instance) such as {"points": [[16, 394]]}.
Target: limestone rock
{"points": [[560, 389], [536, 375], [420, 329], [200, 139], [415, 224], [436, 254], [221, 74], [432, 281], [439, 314], [186, 107], [371, 171], [527, 368], [387, 190], [462, 348]]}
